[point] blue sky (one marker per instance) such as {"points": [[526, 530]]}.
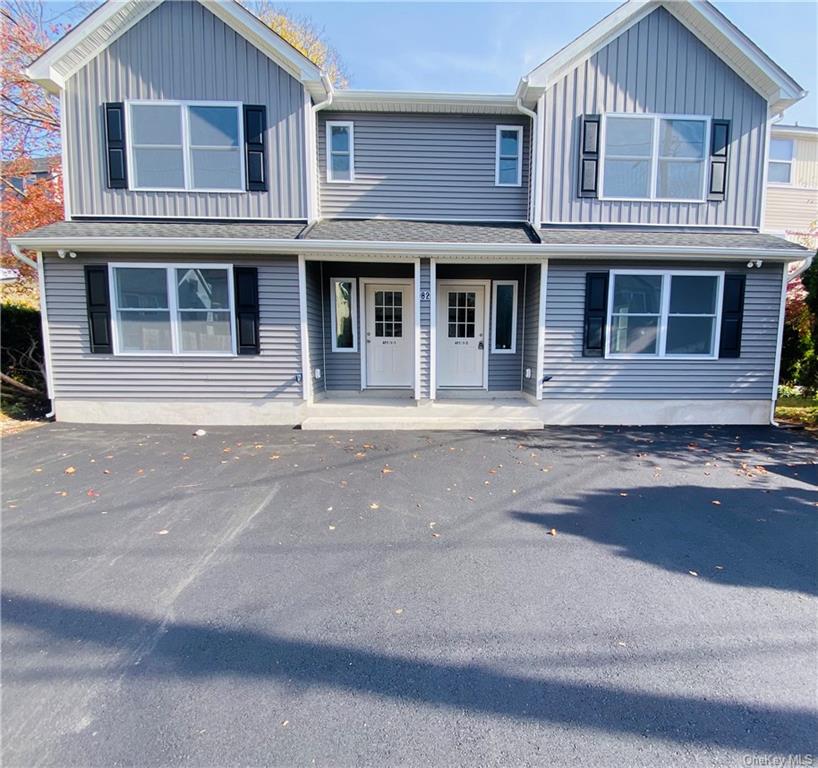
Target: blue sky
{"points": [[486, 47]]}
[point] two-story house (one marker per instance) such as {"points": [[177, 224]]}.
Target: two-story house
{"points": [[791, 208], [243, 244]]}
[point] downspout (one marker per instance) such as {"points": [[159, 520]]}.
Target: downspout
{"points": [[315, 207], [533, 176]]}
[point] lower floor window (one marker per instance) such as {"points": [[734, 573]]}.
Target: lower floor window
{"points": [[180, 309], [504, 317], [664, 314]]}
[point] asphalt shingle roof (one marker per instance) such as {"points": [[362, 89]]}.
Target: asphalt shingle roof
{"points": [[664, 238], [392, 230], [175, 229]]}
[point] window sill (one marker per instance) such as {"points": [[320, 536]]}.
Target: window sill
{"points": [[183, 189], [344, 351], [653, 200], [503, 351], [186, 355], [663, 358]]}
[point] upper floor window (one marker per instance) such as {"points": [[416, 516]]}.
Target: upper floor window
{"points": [[186, 145], [781, 156], [340, 151], [654, 157], [664, 314], [508, 161]]}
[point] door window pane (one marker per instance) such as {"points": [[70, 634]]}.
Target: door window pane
{"points": [[461, 305], [344, 334], [389, 314], [504, 295]]}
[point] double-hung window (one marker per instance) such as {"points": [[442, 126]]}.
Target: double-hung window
{"points": [[340, 151], [664, 314], [184, 309], [508, 156], [343, 314], [654, 157], [779, 170], [186, 145]]}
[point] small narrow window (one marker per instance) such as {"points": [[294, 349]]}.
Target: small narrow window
{"points": [[779, 170], [508, 171], [343, 314], [504, 317], [340, 152]]}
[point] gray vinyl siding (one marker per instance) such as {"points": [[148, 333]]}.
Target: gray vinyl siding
{"points": [[656, 66], [531, 306], [574, 376], [181, 51], [425, 332], [423, 166], [78, 374], [343, 369], [505, 370], [315, 323]]}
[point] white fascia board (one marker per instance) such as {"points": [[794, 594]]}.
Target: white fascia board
{"points": [[420, 101], [410, 250], [804, 131]]}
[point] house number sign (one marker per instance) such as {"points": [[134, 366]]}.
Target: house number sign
{"points": [[425, 295]]}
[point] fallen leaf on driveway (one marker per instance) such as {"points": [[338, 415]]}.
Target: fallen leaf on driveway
{"points": [[360, 454], [199, 433], [38, 469], [69, 470], [622, 493], [91, 492], [693, 573], [552, 531], [435, 535], [285, 723], [374, 505], [332, 527], [163, 532], [274, 457], [716, 502], [399, 611], [387, 470], [719, 567]]}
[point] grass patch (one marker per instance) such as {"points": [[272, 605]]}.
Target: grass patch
{"points": [[797, 409]]}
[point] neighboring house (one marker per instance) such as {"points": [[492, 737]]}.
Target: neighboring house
{"points": [[243, 244], [791, 208], [37, 169]]}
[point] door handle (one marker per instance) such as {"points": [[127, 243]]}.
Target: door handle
{"points": [[480, 345]]}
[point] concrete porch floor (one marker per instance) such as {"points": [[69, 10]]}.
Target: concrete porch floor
{"points": [[395, 414]]}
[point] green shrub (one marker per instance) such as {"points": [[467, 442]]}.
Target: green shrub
{"points": [[21, 358]]}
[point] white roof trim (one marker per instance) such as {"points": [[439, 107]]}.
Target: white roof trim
{"points": [[704, 21], [421, 101], [409, 250], [115, 17], [794, 130]]}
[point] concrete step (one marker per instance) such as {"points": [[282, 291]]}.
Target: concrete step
{"points": [[421, 421]]}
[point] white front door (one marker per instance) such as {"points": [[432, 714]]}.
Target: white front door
{"points": [[460, 335], [390, 335]]}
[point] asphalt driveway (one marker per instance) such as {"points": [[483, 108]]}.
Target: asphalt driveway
{"points": [[277, 597]]}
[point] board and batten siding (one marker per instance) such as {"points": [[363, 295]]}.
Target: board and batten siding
{"points": [[533, 275], [423, 166], [655, 66], [181, 51], [80, 375], [749, 377]]}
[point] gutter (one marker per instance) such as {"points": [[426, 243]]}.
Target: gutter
{"points": [[535, 251], [20, 256], [798, 271]]}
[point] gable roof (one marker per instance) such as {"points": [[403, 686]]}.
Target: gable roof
{"points": [[115, 17], [702, 19]]}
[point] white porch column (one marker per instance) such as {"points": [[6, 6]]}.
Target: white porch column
{"points": [[541, 327]]}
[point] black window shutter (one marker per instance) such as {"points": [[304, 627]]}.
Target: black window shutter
{"points": [[719, 151], [255, 146], [732, 313], [596, 314], [245, 286], [115, 145], [589, 156], [98, 303]]}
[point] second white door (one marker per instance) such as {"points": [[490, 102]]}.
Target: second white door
{"points": [[460, 335], [390, 335]]}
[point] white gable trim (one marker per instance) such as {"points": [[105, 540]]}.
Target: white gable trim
{"points": [[701, 19], [115, 17]]}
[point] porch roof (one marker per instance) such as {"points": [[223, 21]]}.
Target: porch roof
{"points": [[404, 231], [663, 239]]}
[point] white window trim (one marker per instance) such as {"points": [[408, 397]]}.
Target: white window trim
{"points": [[353, 311], [513, 350], [173, 308], [351, 127], [661, 339], [186, 145], [654, 158], [790, 163], [518, 129]]}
